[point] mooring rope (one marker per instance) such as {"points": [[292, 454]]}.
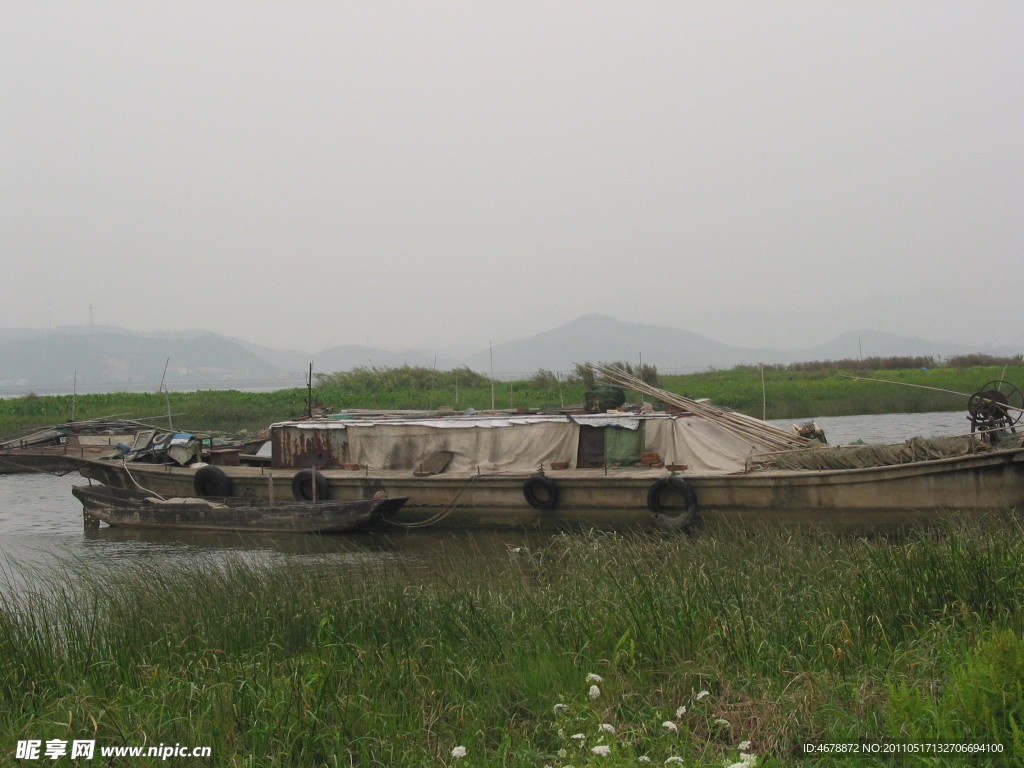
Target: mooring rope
{"points": [[132, 478], [455, 503]]}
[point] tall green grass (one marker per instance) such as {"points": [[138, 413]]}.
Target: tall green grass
{"points": [[213, 410], [781, 394], [701, 643], [785, 394]]}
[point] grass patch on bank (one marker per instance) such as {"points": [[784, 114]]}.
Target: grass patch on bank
{"points": [[788, 394], [585, 650], [780, 394]]}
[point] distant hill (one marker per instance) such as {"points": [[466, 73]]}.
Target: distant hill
{"points": [[596, 338], [98, 359], [855, 345], [348, 357], [345, 358], [102, 359]]}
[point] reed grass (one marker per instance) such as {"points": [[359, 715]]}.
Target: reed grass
{"points": [[786, 394], [781, 394], [729, 641]]}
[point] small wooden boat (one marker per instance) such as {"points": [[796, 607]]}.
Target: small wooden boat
{"points": [[141, 509]]}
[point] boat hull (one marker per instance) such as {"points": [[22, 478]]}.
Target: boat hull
{"points": [[25, 461], [619, 498], [137, 509]]}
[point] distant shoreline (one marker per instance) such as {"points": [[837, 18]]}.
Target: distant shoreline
{"points": [[768, 394]]}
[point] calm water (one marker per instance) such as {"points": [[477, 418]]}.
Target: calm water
{"points": [[40, 520], [41, 523], [890, 428]]}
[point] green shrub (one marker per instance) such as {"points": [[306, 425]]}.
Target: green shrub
{"points": [[985, 698], [981, 703]]}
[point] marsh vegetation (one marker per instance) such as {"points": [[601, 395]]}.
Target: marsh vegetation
{"points": [[773, 393], [582, 650]]}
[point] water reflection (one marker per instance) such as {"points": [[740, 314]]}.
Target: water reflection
{"points": [[41, 525], [127, 540], [379, 545]]}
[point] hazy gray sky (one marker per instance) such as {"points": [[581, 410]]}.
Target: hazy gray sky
{"points": [[448, 174]]}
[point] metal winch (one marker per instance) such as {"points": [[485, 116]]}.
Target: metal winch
{"points": [[994, 409]]}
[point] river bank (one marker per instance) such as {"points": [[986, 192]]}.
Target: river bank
{"points": [[769, 394], [581, 650]]}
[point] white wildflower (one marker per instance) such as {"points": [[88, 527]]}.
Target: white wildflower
{"points": [[578, 736], [643, 759], [594, 692], [748, 759], [744, 746], [559, 707], [680, 712], [602, 749], [722, 723], [606, 727], [592, 678], [458, 752], [673, 760], [563, 753], [703, 694], [669, 725]]}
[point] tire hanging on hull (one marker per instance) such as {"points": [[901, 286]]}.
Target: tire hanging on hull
{"points": [[211, 481], [672, 516], [307, 482], [541, 492]]}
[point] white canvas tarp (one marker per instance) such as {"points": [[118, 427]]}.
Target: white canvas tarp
{"points": [[485, 447], [522, 444], [699, 444]]}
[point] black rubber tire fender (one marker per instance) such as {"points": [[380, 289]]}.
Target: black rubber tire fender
{"points": [[665, 517], [211, 481], [304, 482], [541, 492]]}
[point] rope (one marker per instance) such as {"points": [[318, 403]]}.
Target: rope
{"points": [[132, 478], [455, 502]]}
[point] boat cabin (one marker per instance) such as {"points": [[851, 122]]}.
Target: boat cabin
{"points": [[509, 442]]}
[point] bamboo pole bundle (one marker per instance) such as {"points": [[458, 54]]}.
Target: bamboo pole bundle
{"points": [[732, 423], [757, 434]]}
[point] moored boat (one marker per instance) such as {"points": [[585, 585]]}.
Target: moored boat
{"points": [[143, 509], [620, 470], [58, 448]]}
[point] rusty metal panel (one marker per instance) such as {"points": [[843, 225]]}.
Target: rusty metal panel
{"points": [[295, 448]]}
